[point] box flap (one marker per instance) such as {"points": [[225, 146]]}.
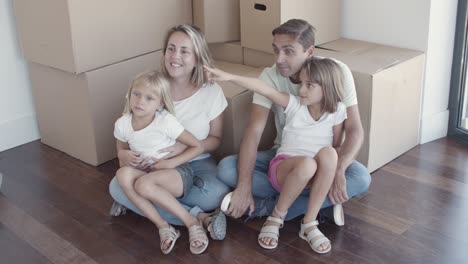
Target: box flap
{"points": [[349, 46], [367, 57]]}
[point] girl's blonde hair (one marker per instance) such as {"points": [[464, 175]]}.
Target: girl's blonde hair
{"points": [[200, 49], [158, 82], [327, 73]]}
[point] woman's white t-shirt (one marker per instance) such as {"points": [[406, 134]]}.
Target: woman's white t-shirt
{"points": [[304, 136], [197, 111], [162, 132]]}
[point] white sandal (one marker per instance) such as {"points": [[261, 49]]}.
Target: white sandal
{"points": [[197, 233], [270, 232], [168, 233], [313, 235]]}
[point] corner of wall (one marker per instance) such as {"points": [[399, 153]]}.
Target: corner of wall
{"points": [[434, 127]]}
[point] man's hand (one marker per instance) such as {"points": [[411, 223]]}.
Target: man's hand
{"points": [[129, 158], [173, 150], [338, 193], [241, 199]]}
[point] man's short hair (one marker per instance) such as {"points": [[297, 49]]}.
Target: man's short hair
{"points": [[300, 29]]}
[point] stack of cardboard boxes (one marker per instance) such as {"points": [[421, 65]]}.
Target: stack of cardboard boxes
{"points": [[84, 53], [388, 79]]}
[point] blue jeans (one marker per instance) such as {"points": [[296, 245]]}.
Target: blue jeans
{"points": [[206, 194], [357, 181]]}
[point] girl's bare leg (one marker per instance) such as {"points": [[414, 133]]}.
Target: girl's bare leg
{"points": [[294, 173], [162, 187], [127, 177], [320, 185]]}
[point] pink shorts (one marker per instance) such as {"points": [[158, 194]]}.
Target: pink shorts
{"points": [[272, 171]]}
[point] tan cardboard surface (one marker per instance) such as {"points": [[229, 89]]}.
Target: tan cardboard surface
{"points": [[76, 113], [218, 19], [237, 115], [257, 24], [388, 85], [257, 58], [230, 52], [81, 35]]}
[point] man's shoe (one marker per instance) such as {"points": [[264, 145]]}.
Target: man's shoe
{"points": [[333, 214]]}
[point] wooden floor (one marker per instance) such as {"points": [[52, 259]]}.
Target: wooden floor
{"points": [[53, 209]]}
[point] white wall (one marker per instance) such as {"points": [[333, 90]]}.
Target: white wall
{"points": [[425, 25], [435, 114], [18, 123]]}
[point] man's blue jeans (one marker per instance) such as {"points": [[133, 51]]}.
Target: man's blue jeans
{"points": [[206, 194], [357, 181]]}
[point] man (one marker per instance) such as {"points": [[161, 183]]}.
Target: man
{"points": [[293, 43]]}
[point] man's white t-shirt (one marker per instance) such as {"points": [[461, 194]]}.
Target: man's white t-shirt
{"points": [[162, 132], [283, 84], [197, 111], [304, 136]]}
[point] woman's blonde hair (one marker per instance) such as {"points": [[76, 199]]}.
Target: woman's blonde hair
{"points": [[327, 73], [158, 82], [200, 49]]}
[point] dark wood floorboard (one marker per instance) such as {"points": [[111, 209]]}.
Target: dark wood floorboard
{"points": [[54, 209]]}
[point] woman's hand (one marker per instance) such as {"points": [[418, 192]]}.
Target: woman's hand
{"points": [[161, 164], [218, 75], [129, 158], [173, 150]]}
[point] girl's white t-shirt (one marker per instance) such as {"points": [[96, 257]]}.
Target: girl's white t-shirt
{"points": [[197, 111], [283, 84], [304, 136], [161, 133]]}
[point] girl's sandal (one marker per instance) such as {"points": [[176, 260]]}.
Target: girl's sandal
{"points": [[270, 231], [316, 235], [197, 233], [168, 233]]}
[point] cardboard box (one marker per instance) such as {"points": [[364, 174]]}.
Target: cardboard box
{"points": [[229, 52], [218, 19], [81, 35], [237, 114], [388, 85], [260, 17], [76, 113], [257, 58]]}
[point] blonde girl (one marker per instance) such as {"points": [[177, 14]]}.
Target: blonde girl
{"points": [[306, 158], [147, 126]]}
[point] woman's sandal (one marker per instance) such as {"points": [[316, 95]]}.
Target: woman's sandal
{"points": [[197, 233], [168, 233], [117, 209], [270, 231], [217, 225], [315, 233]]}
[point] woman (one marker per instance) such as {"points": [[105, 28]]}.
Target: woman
{"points": [[199, 107]]}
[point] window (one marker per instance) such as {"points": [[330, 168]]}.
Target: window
{"points": [[458, 104]]}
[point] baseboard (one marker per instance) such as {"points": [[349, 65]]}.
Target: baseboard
{"points": [[18, 132], [434, 127]]}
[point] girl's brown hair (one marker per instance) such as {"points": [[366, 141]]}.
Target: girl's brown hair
{"points": [[327, 73]]}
